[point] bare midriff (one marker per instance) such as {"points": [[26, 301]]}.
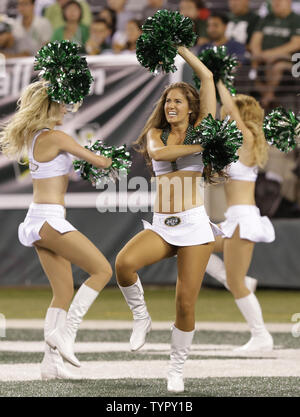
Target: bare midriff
{"points": [[50, 190], [178, 191], [240, 192]]}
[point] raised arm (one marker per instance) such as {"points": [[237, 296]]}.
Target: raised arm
{"points": [[207, 91], [65, 143], [159, 152], [232, 110]]}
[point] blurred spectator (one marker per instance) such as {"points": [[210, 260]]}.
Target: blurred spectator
{"points": [[72, 30], [122, 17], [55, 15], [216, 29], [192, 9], [3, 6], [100, 36], [152, 7], [275, 39], [277, 189], [242, 21], [30, 32], [110, 16], [133, 32], [41, 6], [11, 8], [6, 39], [203, 12]]}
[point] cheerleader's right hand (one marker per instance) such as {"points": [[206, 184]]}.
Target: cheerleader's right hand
{"points": [[108, 162]]}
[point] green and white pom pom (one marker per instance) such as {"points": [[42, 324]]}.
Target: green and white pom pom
{"points": [[156, 48], [66, 71], [280, 128], [120, 163], [221, 64], [220, 139]]}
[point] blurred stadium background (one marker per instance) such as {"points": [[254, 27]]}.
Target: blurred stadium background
{"points": [[121, 99]]}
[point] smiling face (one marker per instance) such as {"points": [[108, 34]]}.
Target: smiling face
{"points": [[176, 107]]}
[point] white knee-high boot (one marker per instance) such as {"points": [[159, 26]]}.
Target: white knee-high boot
{"points": [[216, 269], [180, 347], [261, 340], [134, 296], [63, 338], [52, 366]]}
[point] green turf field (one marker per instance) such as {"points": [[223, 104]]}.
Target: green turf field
{"points": [[212, 305], [210, 387], [109, 369]]}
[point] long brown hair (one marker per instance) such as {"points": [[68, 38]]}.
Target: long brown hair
{"points": [[252, 115], [158, 120]]}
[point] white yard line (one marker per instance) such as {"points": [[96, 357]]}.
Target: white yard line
{"points": [[164, 348], [157, 325], [157, 369], [152, 348]]}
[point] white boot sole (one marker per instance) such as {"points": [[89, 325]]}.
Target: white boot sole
{"points": [[267, 347], [175, 391], [171, 388], [50, 376], [258, 349]]}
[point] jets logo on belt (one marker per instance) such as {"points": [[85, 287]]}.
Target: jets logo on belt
{"points": [[172, 221], [33, 167]]}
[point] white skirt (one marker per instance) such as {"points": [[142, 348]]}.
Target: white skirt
{"points": [[252, 225], [37, 215], [187, 228]]}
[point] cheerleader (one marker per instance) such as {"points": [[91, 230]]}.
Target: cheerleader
{"points": [[180, 224], [57, 242], [244, 226]]}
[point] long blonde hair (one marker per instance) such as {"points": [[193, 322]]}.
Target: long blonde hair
{"points": [[252, 115], [35, 111]]}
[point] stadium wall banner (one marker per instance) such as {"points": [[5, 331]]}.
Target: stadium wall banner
{"points": [[121, 99]]}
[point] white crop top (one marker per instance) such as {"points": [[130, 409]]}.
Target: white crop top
{"points": [[60, 165], [191, 162], [238, 171], [184, 163]]}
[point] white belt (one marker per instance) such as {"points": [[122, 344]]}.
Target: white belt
{"points": [[46, 210], [176, 219]]}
